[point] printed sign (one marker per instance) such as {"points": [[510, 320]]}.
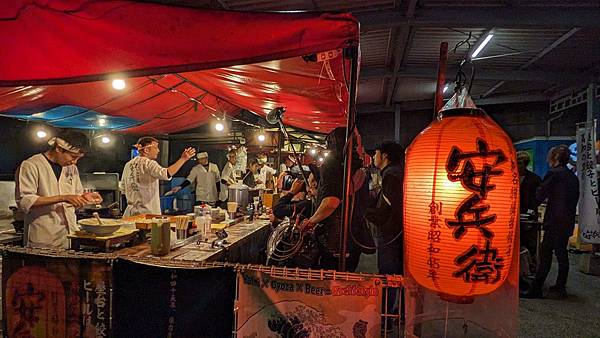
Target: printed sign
{"points": [[55, 297], [156, 301], [588, 186], [277, 307]]}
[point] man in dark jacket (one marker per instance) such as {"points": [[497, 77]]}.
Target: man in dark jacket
{"points": [[561, 187], [529, 183], [386, 214]]}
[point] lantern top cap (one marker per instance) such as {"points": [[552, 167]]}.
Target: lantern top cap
{"points": [[460, 99]]}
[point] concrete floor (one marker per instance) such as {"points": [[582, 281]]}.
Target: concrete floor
{"points": [[574, 317], [577, 316]]}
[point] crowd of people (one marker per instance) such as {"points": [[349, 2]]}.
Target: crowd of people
{"points": [[48, 190]]}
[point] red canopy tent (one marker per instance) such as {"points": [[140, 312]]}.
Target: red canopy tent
{"points": [[182, 65]]}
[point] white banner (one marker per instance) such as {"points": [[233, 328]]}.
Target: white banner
{"points": [[276, 307], [589, 212]]}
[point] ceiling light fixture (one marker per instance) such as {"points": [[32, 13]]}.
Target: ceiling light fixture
{"points": [[219, 126], [41, 134], [482, 45], [118, 84]]}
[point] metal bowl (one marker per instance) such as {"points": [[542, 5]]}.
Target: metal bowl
{"points": [[108, 227]]}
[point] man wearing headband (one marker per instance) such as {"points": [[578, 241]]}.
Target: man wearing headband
{"points": [[141, 174], [48, 190], [206, 177]]}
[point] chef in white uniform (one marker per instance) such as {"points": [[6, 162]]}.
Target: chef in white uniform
{"points": [[48, 190], [228, 175], [205, 176], [266, 173], [140, 177]]}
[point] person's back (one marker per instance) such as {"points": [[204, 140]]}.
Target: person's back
{"points": [[528, 188], [561, 187]]}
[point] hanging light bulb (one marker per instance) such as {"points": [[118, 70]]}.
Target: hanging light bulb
{"points": [[321, 159], [313, 151], [326, 154], [41, 134], [219, 126], [118, 84], [101, 122], [261, 137], [105, 139]]}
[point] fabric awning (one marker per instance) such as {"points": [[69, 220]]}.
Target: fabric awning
{"points": [[67, 52]]}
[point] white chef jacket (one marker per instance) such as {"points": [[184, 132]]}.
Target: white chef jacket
{"points": [[263, 173], [46, 226], [228, 174], [140, 184], [206, 182]]}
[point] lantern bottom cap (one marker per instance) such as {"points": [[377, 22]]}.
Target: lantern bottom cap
{"points": [[457, 299]]}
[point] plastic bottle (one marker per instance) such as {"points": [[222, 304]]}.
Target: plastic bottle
{"points": [[200, 225], [207, 220]]}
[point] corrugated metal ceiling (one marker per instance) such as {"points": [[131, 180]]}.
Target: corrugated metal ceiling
{"points": [[374, 47]]}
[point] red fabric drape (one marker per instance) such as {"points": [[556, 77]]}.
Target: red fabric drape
{"points": [[62, 52]]}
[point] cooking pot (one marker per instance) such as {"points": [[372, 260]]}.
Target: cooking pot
{"points": [[239, 193]]}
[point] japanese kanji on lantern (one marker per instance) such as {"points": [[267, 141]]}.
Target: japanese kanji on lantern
{"points": [[460, 204]]}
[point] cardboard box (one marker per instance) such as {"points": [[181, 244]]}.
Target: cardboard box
{"points": [[590, 264], [269, 200]]}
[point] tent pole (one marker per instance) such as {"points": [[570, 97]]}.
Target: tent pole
{"points": [[353, 54]]}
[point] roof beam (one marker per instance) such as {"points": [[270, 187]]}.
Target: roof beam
{"points": [[404, 41], [469, 16], [407, 106], [538, 56], [481, 74]]}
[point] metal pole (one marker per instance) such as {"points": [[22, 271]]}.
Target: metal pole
{"points": [[353, 54], [593, 111], [279, 146], [441, 78]]}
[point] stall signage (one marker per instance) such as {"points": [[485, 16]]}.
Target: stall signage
{"points": [[273, 306], [589, 213]]}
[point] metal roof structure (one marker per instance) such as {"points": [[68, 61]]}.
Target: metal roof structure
{"points": [[539, 48]]}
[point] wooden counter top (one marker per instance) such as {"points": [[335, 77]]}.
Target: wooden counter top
{"points": [[240, 236]]}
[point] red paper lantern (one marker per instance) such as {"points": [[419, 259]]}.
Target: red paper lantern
{"points": [[461, 199]]}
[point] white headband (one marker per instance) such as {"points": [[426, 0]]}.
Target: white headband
{"points": [[63, 144]]}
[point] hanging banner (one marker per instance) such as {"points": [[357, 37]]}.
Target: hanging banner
{"points": [[157, 301], [589, 212], [276, 307], [55, 297]]}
